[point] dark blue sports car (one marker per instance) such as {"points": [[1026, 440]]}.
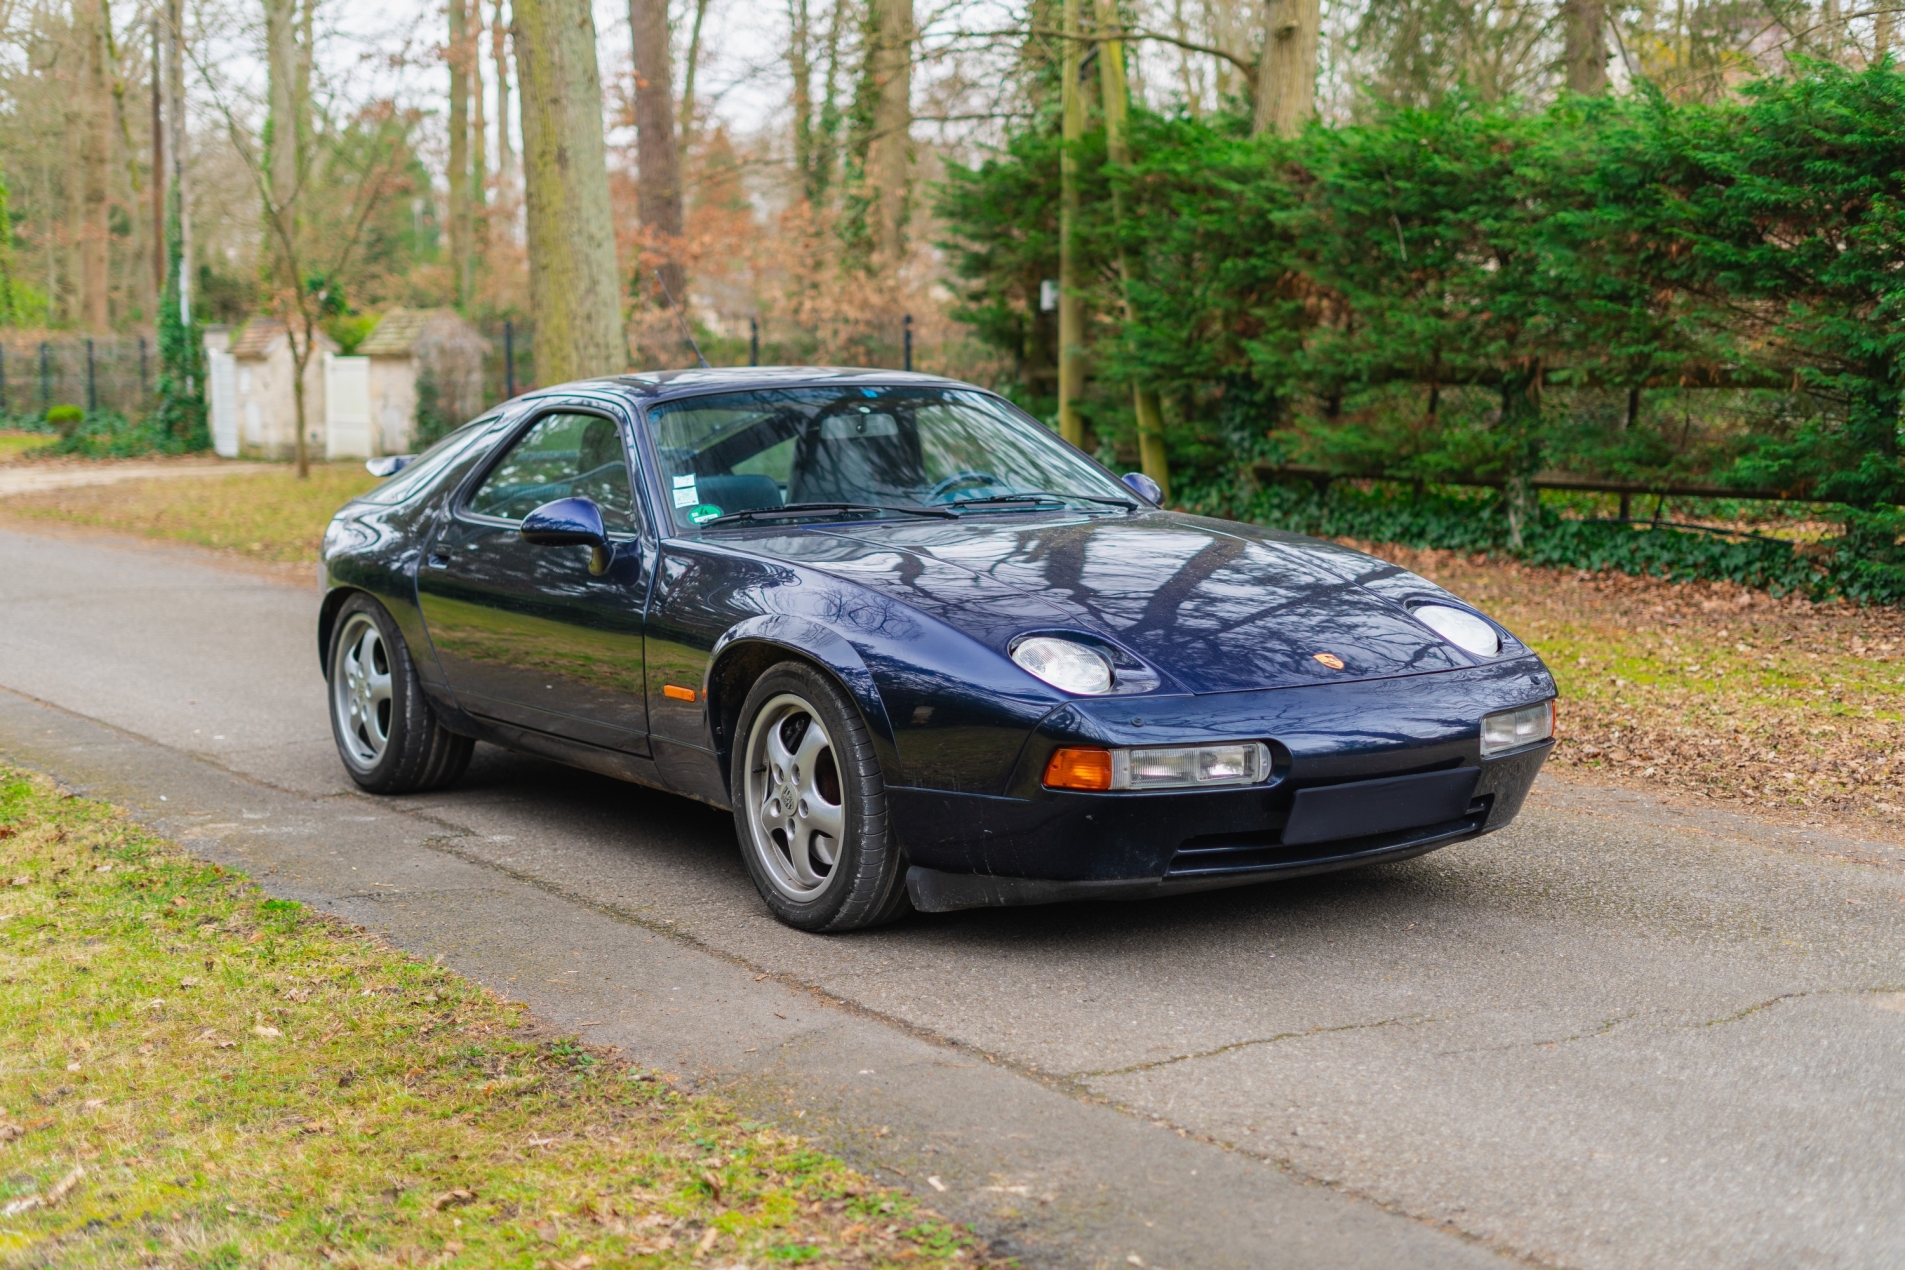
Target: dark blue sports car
{"points": [[928, 654]]}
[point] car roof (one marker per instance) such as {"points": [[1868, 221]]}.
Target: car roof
{"points": [[659, 385]]}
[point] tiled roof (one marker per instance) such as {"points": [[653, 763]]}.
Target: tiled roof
{"points": [[398, 333], [256, 338]]}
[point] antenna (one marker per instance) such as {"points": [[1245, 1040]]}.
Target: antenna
{"points": [[686, 333]]}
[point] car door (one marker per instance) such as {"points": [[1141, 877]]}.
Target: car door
{"points": [[528, 635]]}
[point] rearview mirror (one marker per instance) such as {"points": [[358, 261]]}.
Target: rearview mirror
{"points": [[570, 522], [389, 465], [1144, 487]]}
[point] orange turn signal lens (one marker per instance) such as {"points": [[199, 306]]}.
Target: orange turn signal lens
{"points": [[678, 692], [1079, 769]]}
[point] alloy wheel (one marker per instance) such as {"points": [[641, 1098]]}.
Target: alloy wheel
{"points": [[361, 690], [796, 819]]}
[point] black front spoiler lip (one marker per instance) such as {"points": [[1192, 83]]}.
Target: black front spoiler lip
{"points": [[933, 891]]}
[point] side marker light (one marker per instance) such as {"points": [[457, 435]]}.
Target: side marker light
{"points": [[1079, 768], [677, 692]]}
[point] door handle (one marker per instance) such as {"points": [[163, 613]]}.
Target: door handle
{"points": [[437, 560]]}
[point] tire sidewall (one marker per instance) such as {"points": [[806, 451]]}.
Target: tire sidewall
{"points": [[383, 773], [863, 863]]}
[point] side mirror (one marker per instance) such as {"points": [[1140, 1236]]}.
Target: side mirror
{"points": [[570, 522], [1144, 487], [389, 465]]}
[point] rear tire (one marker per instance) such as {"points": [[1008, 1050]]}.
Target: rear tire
{"points": [[810, 806], [386, 732]]}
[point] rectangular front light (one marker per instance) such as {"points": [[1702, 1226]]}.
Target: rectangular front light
{"points": [[1512, 729], [1191, 766]]}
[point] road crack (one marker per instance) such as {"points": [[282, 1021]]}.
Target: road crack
{"points": [[1155, 1063]]}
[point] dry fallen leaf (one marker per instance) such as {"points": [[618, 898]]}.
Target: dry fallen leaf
{"points": [[936, 1184], [23, 880], [268, 1032], [9, 1132], [714, 1183], [453, 1199]]}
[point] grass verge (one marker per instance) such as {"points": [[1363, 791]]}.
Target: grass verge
{"points": [[14, 444], [1710, 689], [197, 1075], [271, 516]]}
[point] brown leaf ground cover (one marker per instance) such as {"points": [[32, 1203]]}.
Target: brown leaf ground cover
{"points": [[193, 1075], [1709, 690]]}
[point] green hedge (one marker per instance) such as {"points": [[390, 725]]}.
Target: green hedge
{"points": [[1475, 522]]}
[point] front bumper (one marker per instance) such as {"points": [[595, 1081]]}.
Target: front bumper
{"points": [[1354, 740]]}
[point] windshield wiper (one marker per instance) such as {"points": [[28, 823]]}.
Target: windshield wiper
{"points": [[808, 509], [1042, 496]]}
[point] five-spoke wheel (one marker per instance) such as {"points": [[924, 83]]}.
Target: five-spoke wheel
{"points": [[360, 691], [387, 733], [810, 805]]}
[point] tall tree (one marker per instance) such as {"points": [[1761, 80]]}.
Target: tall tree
{"points": [[458, 54], [499, 55], [657, 155], [1116, 93], [891, 35], [95, 159], [1286, 73], [287, 64], [180, 412], [1585, 51], [1071, 313], [574, 296]]}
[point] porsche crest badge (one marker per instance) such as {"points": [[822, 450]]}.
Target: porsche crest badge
{"points": [[1329, 659]]}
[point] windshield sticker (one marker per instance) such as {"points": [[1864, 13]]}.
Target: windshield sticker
{"points": [[704, 513], [685, 493]]}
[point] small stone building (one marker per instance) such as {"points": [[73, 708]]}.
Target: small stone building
{"points": [[254, 411], [422, 360]]}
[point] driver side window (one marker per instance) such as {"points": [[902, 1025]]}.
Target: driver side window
{"points": [[562, 456]]}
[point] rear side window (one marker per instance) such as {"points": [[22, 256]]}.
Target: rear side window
{"points": [[563, 456]]}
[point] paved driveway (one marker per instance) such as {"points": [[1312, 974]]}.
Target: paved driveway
{"points": [[1612, 1036]]}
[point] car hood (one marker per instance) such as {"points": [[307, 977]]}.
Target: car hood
{"points": [[1212, 605]]}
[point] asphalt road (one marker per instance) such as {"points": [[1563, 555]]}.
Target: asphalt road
{"points": [[1613, 1036]]}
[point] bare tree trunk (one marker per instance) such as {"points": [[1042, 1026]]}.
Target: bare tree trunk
{"points": [[800, 68], [1286, 73], [499, 55], [457, 55], [1882, 31], [688, 75], [289, 77], [175, 96], [1586, 49], [95, 158], [1117, 97], [658, 159], [281, 57], [574, 295], [890, 150], [1071, 325], [158, 159], [479, 141]]}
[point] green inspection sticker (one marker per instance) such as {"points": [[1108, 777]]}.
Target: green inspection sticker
{"points": [[704, 513]]}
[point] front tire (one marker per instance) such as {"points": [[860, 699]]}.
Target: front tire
{"points": [[386, 732], [810, 806]]}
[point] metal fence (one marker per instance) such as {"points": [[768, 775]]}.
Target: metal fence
{"points": [[107, 372]]}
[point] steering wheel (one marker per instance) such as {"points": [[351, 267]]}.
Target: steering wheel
{"points": [[960, 479]]}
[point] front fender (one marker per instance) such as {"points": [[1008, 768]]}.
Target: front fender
{"points": [[749, 647]]}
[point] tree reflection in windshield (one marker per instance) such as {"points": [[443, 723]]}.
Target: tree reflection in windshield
{"points": [[901, 446]]}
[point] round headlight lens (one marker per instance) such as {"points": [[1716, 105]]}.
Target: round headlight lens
{"points": [[1065, 665], [1464, 630]]}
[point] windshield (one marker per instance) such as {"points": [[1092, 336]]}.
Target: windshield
{"points": [[884, 448]]}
